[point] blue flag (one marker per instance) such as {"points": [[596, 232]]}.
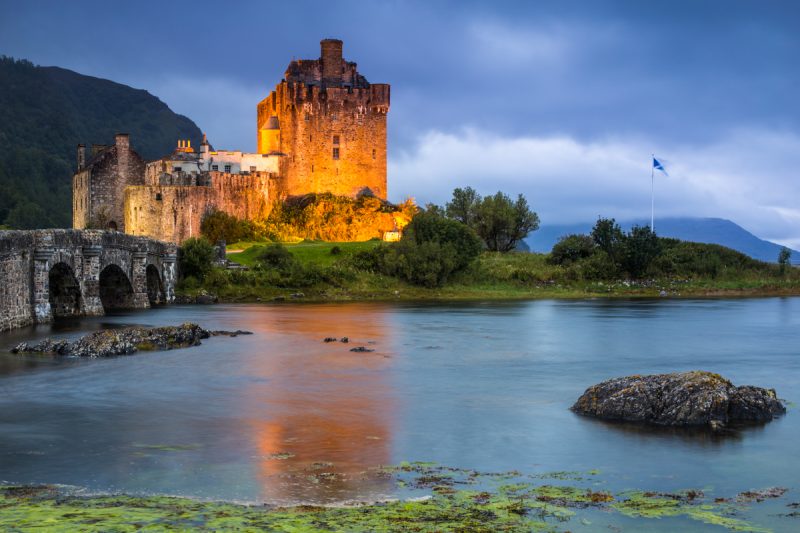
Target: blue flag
{"points": [[659, 166]]}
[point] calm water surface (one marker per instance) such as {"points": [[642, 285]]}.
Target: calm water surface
{"points": [[484, 386]]}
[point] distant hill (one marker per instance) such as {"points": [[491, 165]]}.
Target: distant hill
{"points": [[45, 112], [707, 230]]}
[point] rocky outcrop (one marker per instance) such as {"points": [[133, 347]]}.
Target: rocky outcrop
{"points": [[680, 399], [125, 341]]}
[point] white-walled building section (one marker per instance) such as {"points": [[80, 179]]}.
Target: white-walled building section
{"points": [[184, 163]]}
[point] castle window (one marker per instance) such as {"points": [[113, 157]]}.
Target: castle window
{"points": [[214, 167], [333, 116], [312, 169], [336, 152], [335, 139], [373, 153], [310, 138], [308, 116], [252, 169], [227, 169], [158, 197], [176, 169]]}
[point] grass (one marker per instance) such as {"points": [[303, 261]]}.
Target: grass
{"points": [[308, 252], [331, 277]]}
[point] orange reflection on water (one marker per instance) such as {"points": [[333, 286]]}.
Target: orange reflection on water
{"points": [[324, 419]]}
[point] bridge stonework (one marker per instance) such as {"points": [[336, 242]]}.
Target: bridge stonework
{"points": [[51, 273]]}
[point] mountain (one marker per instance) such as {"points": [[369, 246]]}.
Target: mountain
{"points": [[707, 230], [45, 112]]}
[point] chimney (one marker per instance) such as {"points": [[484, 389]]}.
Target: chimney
{"points": [[81, 156], [122, 142], [331, 61]]}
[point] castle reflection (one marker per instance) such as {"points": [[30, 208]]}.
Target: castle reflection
{"points": [[322, 420]]}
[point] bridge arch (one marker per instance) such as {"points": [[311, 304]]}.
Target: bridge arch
{"points": [[116, 290], [155, 286], [64, 291]]}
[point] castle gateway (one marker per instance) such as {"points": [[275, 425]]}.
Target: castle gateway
{"points": [[322, 130]]}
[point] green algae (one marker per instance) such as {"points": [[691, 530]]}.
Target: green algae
{"points": [[455, 500], [639, 504]]}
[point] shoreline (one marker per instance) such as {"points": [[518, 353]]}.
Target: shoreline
{"points": [[275, 295]]}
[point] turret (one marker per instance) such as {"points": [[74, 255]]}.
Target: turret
{"points": [[204, 147], [81, 156], [331, 61]]}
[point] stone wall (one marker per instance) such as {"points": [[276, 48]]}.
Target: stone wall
{"points": [[174, 213], [31, 260]]}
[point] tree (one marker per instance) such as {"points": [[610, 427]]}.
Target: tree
{"points": [[196, 258], [571, 248], [502, 223], [608, 236], [783, 259], [640, 247], [464, 206]]}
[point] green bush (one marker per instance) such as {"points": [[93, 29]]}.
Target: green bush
{"points": [[196, 257], [276, 256], [219, 225], [571, 248], [217, 278], [640, 248], [432, 248]]}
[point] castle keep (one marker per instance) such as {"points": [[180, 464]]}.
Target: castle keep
{"points": [[321, 130]]}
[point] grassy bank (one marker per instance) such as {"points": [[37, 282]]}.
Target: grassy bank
{"points": [[326, 271]]}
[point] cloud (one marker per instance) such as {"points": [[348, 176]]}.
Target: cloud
{"points": [[748, 177], [501, 46], [223, 108]]}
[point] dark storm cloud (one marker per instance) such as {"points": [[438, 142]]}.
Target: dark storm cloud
{"points": [[692, 78]]}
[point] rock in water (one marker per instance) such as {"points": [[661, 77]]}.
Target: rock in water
{"points": [[123, 341], [681, 399]]}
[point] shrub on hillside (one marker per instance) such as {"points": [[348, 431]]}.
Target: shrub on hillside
{"points": [[640, 248], [571, 248], [219, 225], [195, 258], [431, 250], [336, 218]]}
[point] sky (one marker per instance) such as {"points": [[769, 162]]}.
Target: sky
{"points": [[563, 101]]}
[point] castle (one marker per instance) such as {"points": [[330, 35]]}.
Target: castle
{"points": [[322, 129]]}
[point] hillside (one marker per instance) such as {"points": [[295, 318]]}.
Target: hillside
{"points": [[705, 230], [45, 112]]}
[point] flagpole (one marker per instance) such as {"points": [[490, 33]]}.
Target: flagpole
{"points": [[652, 193]]}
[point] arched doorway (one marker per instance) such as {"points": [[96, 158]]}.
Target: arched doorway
{"points": [[112, 226], [65, 292], [155, 289], [116, 291]]}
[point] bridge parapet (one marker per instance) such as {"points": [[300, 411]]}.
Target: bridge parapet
{"points": [[67, 272]]}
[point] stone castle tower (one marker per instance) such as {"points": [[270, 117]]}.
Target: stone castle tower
{"points": [[330, 123]]}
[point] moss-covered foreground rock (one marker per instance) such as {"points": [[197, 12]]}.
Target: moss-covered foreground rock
{"points": [[680, 399], [455, 500]]}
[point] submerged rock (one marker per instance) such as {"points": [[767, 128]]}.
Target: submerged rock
{"points": [[124, 341], [680, 399]]}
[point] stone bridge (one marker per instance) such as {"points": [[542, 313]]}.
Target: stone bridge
{"points": [[45, 274]]}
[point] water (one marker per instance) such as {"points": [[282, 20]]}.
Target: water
{"points": [[484, 386]]}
